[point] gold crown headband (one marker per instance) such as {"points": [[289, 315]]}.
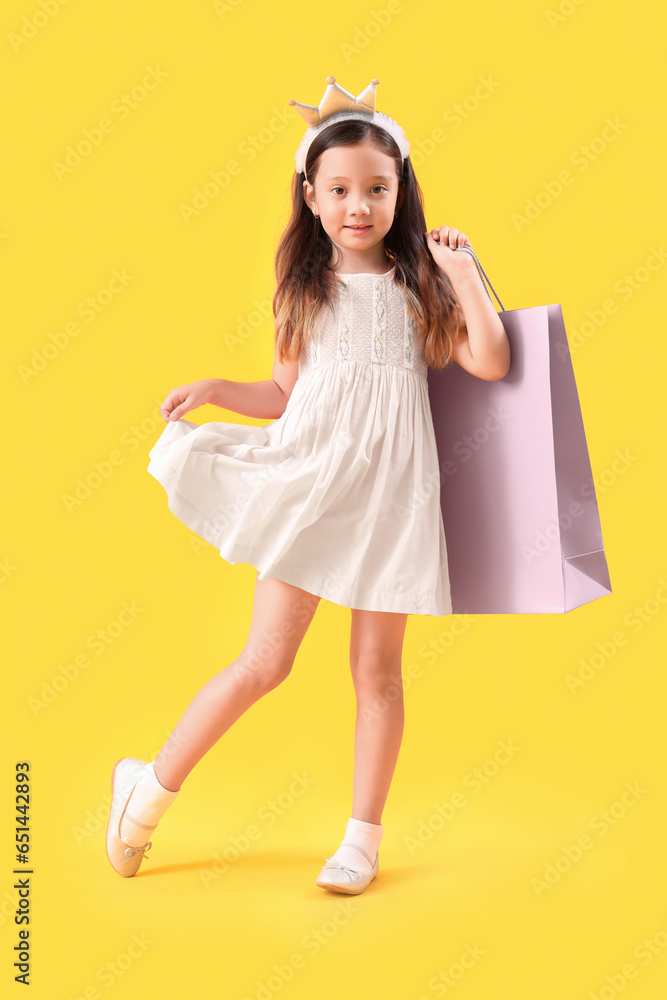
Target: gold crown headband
{"points": [[338, 104]]}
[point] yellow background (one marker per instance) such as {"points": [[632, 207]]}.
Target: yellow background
{"points": [[230, 71]]}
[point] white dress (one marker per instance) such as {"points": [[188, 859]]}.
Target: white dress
{"points": [[339, 496]]}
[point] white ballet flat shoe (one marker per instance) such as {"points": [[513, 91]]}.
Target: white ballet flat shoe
{"points": [[124, 858], [340, 878]]}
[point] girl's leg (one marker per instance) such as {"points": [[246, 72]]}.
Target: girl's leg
{"points": [[376, 648], [280, 619]]}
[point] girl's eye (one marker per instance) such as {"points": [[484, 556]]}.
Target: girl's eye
{"points": [[372, 189]]}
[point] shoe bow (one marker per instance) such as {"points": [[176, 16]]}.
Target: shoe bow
{"points": [[333, 863], [131, 851]]}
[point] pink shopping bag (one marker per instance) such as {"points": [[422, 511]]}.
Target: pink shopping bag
{"points": [[518, 501]]}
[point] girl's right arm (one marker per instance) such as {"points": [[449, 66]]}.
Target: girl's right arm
{"points": [[264, 400]]}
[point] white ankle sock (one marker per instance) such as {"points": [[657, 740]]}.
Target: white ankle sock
{"points": [[368, 836], [147, 804]]}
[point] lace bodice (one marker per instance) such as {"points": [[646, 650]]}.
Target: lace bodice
{"points": [[369, 322]]}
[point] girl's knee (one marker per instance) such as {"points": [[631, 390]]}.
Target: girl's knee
{"points": [[263, 673], [377, 673]]}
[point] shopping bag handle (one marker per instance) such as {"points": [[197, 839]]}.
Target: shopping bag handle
{"points": [[482, 274]]}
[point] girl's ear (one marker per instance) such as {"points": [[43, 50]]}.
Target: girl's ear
{"points": [[309, 195]]}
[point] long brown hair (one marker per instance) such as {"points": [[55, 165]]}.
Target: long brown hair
{"points": [[306, 280]]}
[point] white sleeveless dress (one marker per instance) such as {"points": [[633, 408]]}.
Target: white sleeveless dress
{"points": [[339, 496]]}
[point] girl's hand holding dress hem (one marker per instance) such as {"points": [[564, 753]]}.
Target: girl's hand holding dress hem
{"points": [[188, 397]]}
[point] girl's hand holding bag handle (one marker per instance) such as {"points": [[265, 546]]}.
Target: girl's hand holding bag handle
{"points": [[517, 495]]}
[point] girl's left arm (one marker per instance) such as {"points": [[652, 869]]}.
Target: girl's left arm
{"points": [[482, 346]]}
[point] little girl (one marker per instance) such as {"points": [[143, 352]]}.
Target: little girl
{"points": [[327, 500]]}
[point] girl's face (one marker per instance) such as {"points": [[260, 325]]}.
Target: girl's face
{"points": [[355, 194]]}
